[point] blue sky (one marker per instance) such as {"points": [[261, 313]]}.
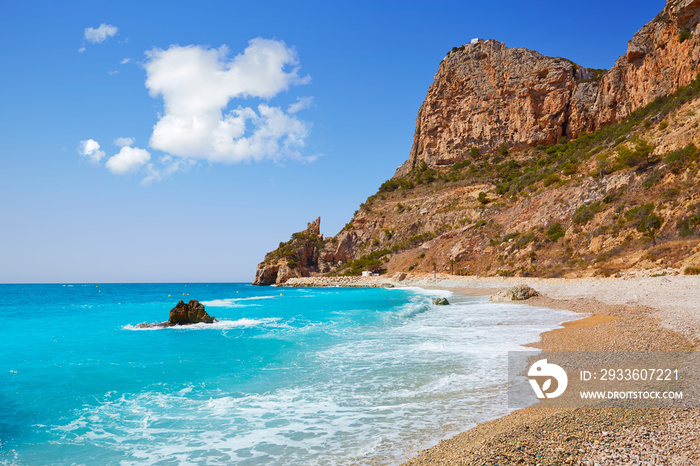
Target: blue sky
{"points": [[223, 127]]}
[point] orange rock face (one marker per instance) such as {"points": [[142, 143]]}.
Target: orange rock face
{"points": [[486, 95]]}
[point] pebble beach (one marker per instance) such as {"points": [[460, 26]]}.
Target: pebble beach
{"points": [[634, 314]]}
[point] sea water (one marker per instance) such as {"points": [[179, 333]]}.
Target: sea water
{"points": [[285, 376]]}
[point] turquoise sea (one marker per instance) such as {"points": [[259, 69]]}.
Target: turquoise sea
{"points": [[287, 376]]}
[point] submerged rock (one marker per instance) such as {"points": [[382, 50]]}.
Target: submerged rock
{"points": [[516, 293], [441, 301], [183, 314]]}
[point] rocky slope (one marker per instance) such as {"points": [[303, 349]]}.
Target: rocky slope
{"points": [[531, 165]]}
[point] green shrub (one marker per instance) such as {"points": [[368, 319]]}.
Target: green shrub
{"points": [[684, 34], [569, 168], [482, 198], [685, 227], [400, 207], [637, 215], [663, 125], [679, 158], [474, 152], [651, 222], [585, 213], [524, 240], [392, 185], [551, 179], [554, 232], [639, 155]]}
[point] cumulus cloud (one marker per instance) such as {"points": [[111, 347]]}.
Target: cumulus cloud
{"points": [[121, 142], [90, 149], [128, 160], [197, 85], [100, 34]]}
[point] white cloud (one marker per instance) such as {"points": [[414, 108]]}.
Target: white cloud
{"points": [[168, 165], [301, 104], [100, 34], [121, 142], [128, 160], [197, 84], [90, 149], [125, 61]]}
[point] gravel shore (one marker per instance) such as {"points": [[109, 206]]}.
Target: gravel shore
{"points": [[639, 314]]}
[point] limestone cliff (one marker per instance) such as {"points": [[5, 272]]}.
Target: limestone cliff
{"points": [[491, 186], [486, 95]]}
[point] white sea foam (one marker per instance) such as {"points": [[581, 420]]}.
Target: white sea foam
{"points": [[425, 292], [233, 302], [218, 325]]}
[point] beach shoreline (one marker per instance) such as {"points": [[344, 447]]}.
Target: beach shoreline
{"points": [[633, 313], [615, 322]]}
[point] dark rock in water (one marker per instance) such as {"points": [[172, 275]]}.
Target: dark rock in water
{"points": [[190, 313], [183, 314], [441, 301]]}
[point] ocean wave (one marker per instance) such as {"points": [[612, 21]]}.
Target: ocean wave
{"points": [[425, 292], [233, 302], [219, 325]]}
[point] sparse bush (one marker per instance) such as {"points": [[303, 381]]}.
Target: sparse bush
{"points": [[637, 215], [585, 213], [663, 125], [679, 158], [684, 34], [652, 179], [524, 240], [400, 207], [392, 185], [554, 232], [639, 155], [483, 198], [474, 152], [551, 179], [691, 271]]}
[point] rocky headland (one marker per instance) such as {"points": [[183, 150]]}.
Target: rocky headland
{"points": [[527, 165]]}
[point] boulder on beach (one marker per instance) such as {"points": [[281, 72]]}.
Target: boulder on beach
{"points": [[189, 313], [441, 301], [515, 293]]}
